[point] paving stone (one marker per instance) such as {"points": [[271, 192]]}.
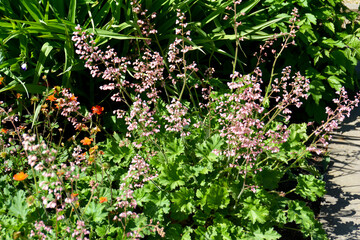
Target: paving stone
{"points": [[340, 210]]}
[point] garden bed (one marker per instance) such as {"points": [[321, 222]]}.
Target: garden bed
{"points": [[170, 119]]}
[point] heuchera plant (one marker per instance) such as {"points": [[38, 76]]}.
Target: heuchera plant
{"points": [[192, 160]]}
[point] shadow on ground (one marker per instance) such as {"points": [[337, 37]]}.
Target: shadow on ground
{"points": [[340, 213]]}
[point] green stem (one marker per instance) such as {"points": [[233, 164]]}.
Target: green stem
{"points": [[87, 205], [236, 41], [292, 190], [183, 87]]}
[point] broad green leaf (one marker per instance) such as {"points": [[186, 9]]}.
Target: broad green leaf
{"points": [[333, 70], [344, 59], [311, 18], [305, 218], [268, 178], [298, 133], [172, 177], [205, 149], [301, 214], [257, 214], [317, 88], [309, 187], [330, 27], [174, 148], [254, 211], [335, 82], [157, 205], [101, 231], [186, 235], [268, 234], [217, 196], [330, 43], [200, 217], [96, 211], [174, 231], [183, 200], [307, 34], [19, 206]]}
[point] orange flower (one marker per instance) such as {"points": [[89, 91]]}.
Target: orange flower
{"points": [[102, 199], [73, 98], [20, 176], [60, 173], [86, 141], [51, 98], [18, 95], [73, 195], [97, 109], [1, 80], [4, 130]]}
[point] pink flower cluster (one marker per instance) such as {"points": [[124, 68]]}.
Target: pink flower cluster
{"points": [[176, 121], [80, 232], [149, 71], [41, 230], [138, 174], [334, 117], [244, 133], [247, 134], [285, 36], [94, 57], [289, 90], [177, 51], [54, 194], [141, 118]]}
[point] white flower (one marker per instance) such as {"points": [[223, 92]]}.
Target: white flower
{"points": [[24, 66]]}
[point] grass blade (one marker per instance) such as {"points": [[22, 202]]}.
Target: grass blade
{"points": [[44, 52], [72, 11], [33, 8]]}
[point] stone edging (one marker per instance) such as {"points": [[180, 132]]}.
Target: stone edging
{"points": [[352, 6]]}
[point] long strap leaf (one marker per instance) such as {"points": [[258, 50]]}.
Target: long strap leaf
{"points": [[44, 52], [33, 8]]}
